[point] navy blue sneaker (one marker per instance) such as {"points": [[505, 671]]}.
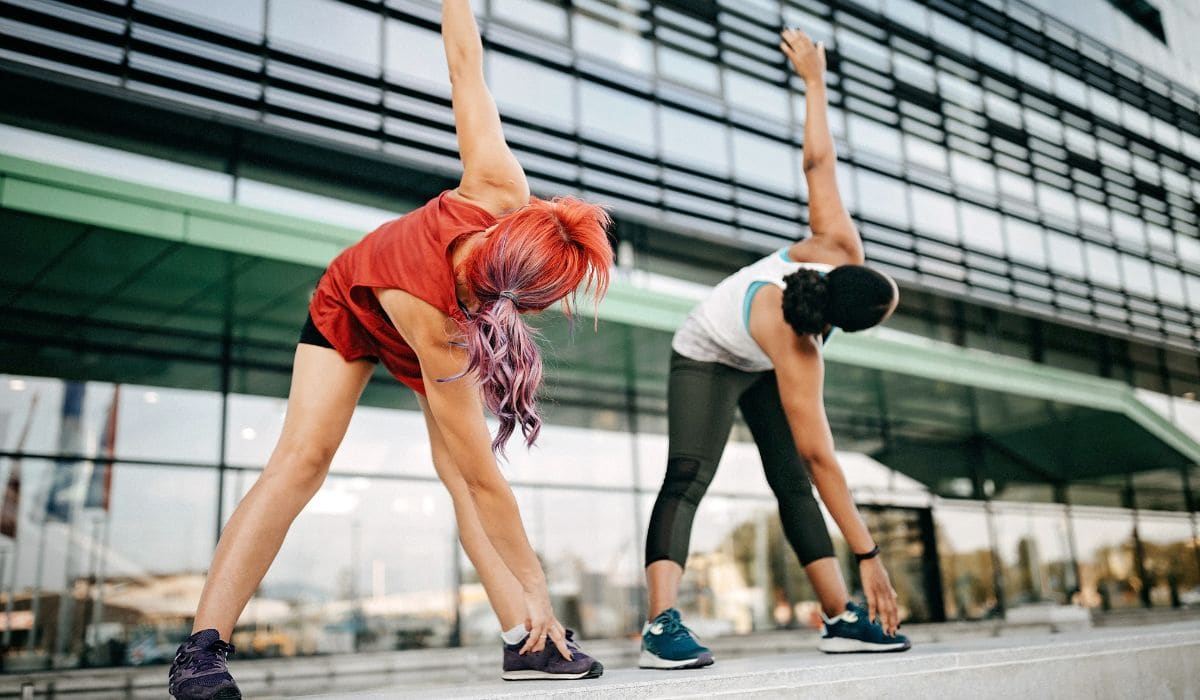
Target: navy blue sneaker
{"points": [[853, 631], [668, 644], [199, 671], [548, 664]]}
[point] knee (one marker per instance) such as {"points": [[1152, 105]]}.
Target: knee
{"points": [[303, 465], [686, 479]]}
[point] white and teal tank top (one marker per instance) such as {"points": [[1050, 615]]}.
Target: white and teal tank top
{"points": [[718, 330]]}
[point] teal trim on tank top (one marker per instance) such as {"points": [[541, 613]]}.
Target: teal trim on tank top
{"points": [[783, 254], [750, 291]]}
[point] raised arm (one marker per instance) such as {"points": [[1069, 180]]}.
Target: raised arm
{"points": [[492, 177], [833, 232]]}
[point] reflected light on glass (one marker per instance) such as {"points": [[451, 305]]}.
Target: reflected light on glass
{"points": [[249, 433], [16, 384], [150, 397]]}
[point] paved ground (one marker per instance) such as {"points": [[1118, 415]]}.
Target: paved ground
{"points": [[1161, 661]]}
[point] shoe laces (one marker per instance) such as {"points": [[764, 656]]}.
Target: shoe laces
{"points": [[673, 627], [209, 658]]}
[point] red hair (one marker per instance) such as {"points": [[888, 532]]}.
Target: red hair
{"points": [[536, 256]]}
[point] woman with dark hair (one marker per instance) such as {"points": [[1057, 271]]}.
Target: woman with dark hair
{"points": [[436, 296], [755, 344]]}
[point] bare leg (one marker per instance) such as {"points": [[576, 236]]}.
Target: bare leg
{"points": [[503, 590], [662, 578], [325, 389], [826, 578]]}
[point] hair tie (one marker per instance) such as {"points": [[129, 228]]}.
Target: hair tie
{"points": [[510, 296]]}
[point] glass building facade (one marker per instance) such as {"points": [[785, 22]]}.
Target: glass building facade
{"points": [[1034, 190]]}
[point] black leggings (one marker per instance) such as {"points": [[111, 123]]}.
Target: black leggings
{"points": [[701, 397]]}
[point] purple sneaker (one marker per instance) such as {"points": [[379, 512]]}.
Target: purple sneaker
{"points": [[199, 671], [548, 664]]}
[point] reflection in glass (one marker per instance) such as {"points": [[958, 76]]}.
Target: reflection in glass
{"points": [[1137, 275], [870, 135], [926, 153], [1168, 558], [330, 28], [689, 70], [1056, 202], [1104, 546], [972, 172], [168, 424], [1034, 549], [1102, 266], [965, 559]]}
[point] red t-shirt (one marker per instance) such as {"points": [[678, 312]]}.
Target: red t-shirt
{"points": [[411, 253]]}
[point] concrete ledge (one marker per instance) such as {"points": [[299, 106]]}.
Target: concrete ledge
{"points": [[1157, 662]]}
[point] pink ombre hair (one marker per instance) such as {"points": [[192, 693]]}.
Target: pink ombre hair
{"points": [[536, 256]]}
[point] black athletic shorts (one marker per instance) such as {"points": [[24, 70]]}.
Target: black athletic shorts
{"points": [[311, 336]]}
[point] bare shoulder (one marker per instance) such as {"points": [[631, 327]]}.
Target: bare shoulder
{"points": [[830, 251], [771, 331], [495, 197]]}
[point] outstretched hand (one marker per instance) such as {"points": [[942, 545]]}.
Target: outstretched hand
{"points": [[881, 597], [542, 625], [807, 58]]}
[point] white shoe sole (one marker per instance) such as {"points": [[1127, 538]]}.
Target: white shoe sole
{"points": [[594, 672], [648, 660], [842, 645]]}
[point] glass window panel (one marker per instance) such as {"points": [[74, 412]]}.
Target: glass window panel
{"points": [[914, 72], [926, 153], [1066, 253], [1093, 213], [1034, 547], [1189, 249], [690, 139], [765, 162], [965, 558], [1146, 170], [331, 28], [909, 13], [1168, 553], [1056, 202], [1047, 127], [935, 214], [1137, 275], [417, 54], [862, 49], [164, 424], [1115, 156], [1169, 283], [746, 93], [613, 115], [1025, 241], [607, 42], [1104, 545], [1102, 266], [243, 14], [1081, 142], [1034, 72], [952, 33], [981, 229], [1070, 89], [1160, 237], [1192, 282], [531, 91], [882, 197], [972, 172], [872, 136], [994, 53], [1136, 119], [1129, 229], [1167, 134], [533, 14], [1015, 185], [1002, 108], [687, 69], [1105, 105], [960, 91]]}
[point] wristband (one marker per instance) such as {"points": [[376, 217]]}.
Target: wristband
{"points": [[869, 555]]}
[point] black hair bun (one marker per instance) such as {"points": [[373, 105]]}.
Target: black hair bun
{"points": [[806, 301]]}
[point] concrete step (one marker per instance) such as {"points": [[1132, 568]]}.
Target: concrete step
{"points": [[1154, 662]]}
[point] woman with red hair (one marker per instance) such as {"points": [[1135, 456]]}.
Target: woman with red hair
{"points": [[436, 297]]}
